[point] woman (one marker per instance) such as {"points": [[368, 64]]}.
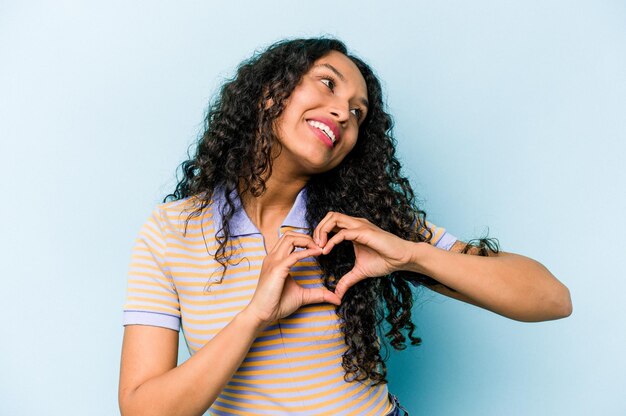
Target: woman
{"points": [[289, 240]]}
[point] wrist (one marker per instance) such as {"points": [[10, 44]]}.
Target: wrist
{"points": [[416, 253], [251, 320]]}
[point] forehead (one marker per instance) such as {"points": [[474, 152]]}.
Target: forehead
{"points": [[347, 68]]}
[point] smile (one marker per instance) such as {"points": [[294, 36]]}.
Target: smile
{"points": [[324, 128]]}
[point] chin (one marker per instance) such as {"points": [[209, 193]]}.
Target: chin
{"points": [[318, 162], [311, 167]]}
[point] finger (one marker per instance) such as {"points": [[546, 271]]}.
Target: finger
{"points": [[290, 240], [342, 235], [346, 282], [334, 222], [316, 232], [319, 295], [296, 256]]}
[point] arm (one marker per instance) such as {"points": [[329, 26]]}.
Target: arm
{"points": [[508, 284], [150, 382]]}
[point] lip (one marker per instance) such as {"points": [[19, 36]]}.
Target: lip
{"points": [[322, 136], [333, 126]]}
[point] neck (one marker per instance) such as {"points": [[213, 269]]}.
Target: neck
{"points": [[270, 209]]}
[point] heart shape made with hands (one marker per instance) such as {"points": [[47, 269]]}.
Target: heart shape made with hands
{"points": [[377, 252]]}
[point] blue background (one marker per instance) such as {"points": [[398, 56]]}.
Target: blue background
{"points": [[508, 114]]}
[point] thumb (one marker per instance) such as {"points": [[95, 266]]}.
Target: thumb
{"points": [[319, 295], [346, 282]]}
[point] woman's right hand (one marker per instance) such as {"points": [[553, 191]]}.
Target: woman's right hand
{"points": [[277, 294]]}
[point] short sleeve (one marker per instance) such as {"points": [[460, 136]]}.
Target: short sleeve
{"points": [[440, 237], [151, 297]]}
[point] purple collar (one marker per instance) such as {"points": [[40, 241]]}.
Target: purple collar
{"points": [[240, 224]]}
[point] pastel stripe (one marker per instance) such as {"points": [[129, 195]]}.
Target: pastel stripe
{"points": [[294, 366]]}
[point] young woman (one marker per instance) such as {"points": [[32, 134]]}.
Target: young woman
{"points": [[291, 238]]}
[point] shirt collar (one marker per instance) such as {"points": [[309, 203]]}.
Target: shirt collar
{"points": [[240, 224]]}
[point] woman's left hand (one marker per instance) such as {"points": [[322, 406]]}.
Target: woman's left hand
{"points": [[377, 252]]}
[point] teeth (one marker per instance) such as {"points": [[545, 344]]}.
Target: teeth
{"points": [[323, 127]]}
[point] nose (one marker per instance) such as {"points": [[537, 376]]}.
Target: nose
{"points": [[340, 111]]}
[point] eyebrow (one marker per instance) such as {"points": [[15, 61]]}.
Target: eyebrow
{"points": [[335, 70], [343, 78]]}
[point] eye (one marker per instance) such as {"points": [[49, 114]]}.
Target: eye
{"points": [[329, 82], [357, 112]]}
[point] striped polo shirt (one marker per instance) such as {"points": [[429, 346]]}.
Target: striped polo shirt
{"points": [[294, 366]]}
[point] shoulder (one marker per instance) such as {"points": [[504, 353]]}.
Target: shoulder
{"points": [[177, 216]]}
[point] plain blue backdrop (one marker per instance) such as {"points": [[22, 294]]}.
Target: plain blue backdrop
{"points": [[509, 115]]}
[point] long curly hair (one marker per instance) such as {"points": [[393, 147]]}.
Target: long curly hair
{"points": [[235, 152]]}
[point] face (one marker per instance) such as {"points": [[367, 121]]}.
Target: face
{"points": [[320, 123]]}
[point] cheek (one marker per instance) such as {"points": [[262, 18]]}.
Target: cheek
{"points": [[289, 118], [351, 140], [284, 123], [347, 147], [299, 100]]}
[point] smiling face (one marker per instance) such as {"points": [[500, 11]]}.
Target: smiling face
{"points": [[320, 123]]}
